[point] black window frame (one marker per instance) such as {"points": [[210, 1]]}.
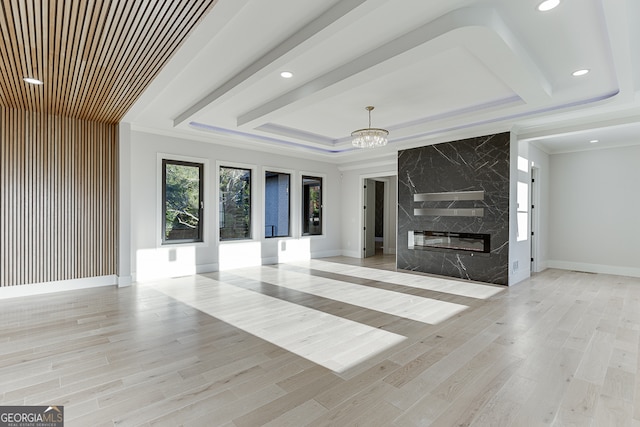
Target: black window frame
{"points": [[221, 204], [267, 226], [309, 218], [200, 233]]}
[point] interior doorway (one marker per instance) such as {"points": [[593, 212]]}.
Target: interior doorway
{"points": [[379, 215], [534, 219], [369, 212]]}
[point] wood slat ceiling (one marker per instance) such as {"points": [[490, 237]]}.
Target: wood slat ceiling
{"points": [[96, 57]]}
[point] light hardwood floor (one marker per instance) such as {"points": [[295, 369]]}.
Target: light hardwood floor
{"points": [[337, 341]]}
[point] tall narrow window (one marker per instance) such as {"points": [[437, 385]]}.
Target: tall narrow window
{"points": [[311, 206], [235, 203], [182, 201], [276, 204]]}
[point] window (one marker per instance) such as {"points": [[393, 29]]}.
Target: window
{"points": [[235, 203], [182, 202], [276, 204], [311, 206]]}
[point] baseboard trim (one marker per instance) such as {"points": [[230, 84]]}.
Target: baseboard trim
{"points": [[197, 269], [519, 277], [542, 266], [206, 268], [594, 268], [124, 281], [42, 288], [325, 254], [352, 254], [285, 259]]}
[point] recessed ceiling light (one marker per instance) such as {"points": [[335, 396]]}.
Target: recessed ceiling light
{"points": [[593, 141], [548, 5], [286, 74], [579, 73], [33, 81]]}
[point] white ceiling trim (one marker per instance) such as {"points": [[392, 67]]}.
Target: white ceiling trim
{"points": [[335, 17], [434, 71], [210, 26], [265, 140], [614, 13], [478, 29], [452, 125]]}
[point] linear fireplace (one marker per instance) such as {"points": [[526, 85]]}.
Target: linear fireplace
{"points": [[450, 241]]}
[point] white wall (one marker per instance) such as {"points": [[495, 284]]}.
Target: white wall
{"points": [[524, 157], [124, 205], [594, 211], [352, 201], [519, 243], [587, 209], [540, 160], [151, 260]]}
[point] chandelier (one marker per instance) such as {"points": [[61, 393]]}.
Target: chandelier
{"points": [[369, 137]]}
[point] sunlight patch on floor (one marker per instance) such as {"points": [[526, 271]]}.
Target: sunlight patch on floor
{"points": [[454, 287], [333, 342], [426, 310]]}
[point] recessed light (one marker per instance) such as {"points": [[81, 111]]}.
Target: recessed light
{"points": [[593, 141], [33, 81], [286, 74], [548, 5], [579, 73]]}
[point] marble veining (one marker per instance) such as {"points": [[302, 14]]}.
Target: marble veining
{"points": [[474, 164]]}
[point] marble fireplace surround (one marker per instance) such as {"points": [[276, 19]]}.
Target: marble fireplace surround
{"points": [[455, 187]]}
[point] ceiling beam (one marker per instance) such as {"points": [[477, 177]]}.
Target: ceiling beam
{"points": [[473, 28], [339, 15]]}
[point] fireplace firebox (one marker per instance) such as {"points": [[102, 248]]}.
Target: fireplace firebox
{"points": [[450, 241]]}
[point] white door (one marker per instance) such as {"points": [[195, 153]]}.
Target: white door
{"points": [[534, 220]]}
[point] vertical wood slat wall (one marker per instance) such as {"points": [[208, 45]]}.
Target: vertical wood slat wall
{"points": [[58, 198]]}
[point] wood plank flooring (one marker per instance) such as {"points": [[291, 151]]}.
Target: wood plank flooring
{"points": [[337, 341]]}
